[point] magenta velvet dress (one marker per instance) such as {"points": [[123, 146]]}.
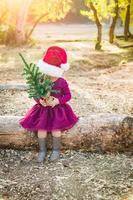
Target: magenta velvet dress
{"points": [[60, 117]]}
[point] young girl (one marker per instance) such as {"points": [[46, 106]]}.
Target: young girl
{"points": [[54, 115]]}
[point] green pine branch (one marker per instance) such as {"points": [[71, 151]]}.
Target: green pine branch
{"points": [[38, 84]]}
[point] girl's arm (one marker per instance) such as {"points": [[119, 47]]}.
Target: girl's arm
{"points": [[66, 93]]}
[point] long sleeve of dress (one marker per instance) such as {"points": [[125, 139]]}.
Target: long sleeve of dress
{"points": [[66, 93]]}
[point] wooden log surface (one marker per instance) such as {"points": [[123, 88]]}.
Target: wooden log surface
{"points": [[97, 132], [13, 86]]}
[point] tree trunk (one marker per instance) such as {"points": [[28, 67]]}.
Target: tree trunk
{"points": [[99, 27], [12, 10], [127, 22], [114, 20], [97, 132], [2, 17], [35, 24], [21, 20], [18, 10]]}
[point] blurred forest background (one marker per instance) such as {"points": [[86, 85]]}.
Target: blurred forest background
{"points": [[18, 18]]}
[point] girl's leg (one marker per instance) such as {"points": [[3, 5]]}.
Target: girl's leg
{"points": [[42, 133], [56, 133], [42, 141], [56, 145]]}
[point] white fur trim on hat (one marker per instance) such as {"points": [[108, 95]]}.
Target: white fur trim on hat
{"points": [[65, 66], [50, 70]]}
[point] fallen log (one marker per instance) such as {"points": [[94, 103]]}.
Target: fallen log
{"points": [[13, 86], [97, 132]]}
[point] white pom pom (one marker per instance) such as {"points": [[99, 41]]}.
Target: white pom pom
{"points": [[65, 66]]}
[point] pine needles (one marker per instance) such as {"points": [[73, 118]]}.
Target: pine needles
{"points": [[39, 85]]}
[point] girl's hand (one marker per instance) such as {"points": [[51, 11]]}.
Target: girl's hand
{"points": [[49, 101], [42, 102], [53, 102], [44, 98]]}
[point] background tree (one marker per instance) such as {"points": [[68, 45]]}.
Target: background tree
{"points": [[96, 11], [3, 11], [74, 16], [21, 13], [18, 12], [126, 15], [21, 21], [113, 9], [3, 17], [128, 19], [52, 10]]}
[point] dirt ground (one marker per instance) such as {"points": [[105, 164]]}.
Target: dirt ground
{"points": [[77, 176], [100, 82]]}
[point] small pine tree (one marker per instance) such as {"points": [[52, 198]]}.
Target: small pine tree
{"points": [[39, 85]]}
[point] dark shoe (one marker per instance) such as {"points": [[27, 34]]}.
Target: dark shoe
{"points": [[55, 155], [43, 150]]}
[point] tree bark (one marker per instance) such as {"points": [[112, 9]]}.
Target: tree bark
{"points": [[18, 10], [113, 24], [127, 33], [21, 20], [99, 27]]}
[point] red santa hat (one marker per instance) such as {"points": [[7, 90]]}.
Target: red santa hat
{"points": [[54, 62]]}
